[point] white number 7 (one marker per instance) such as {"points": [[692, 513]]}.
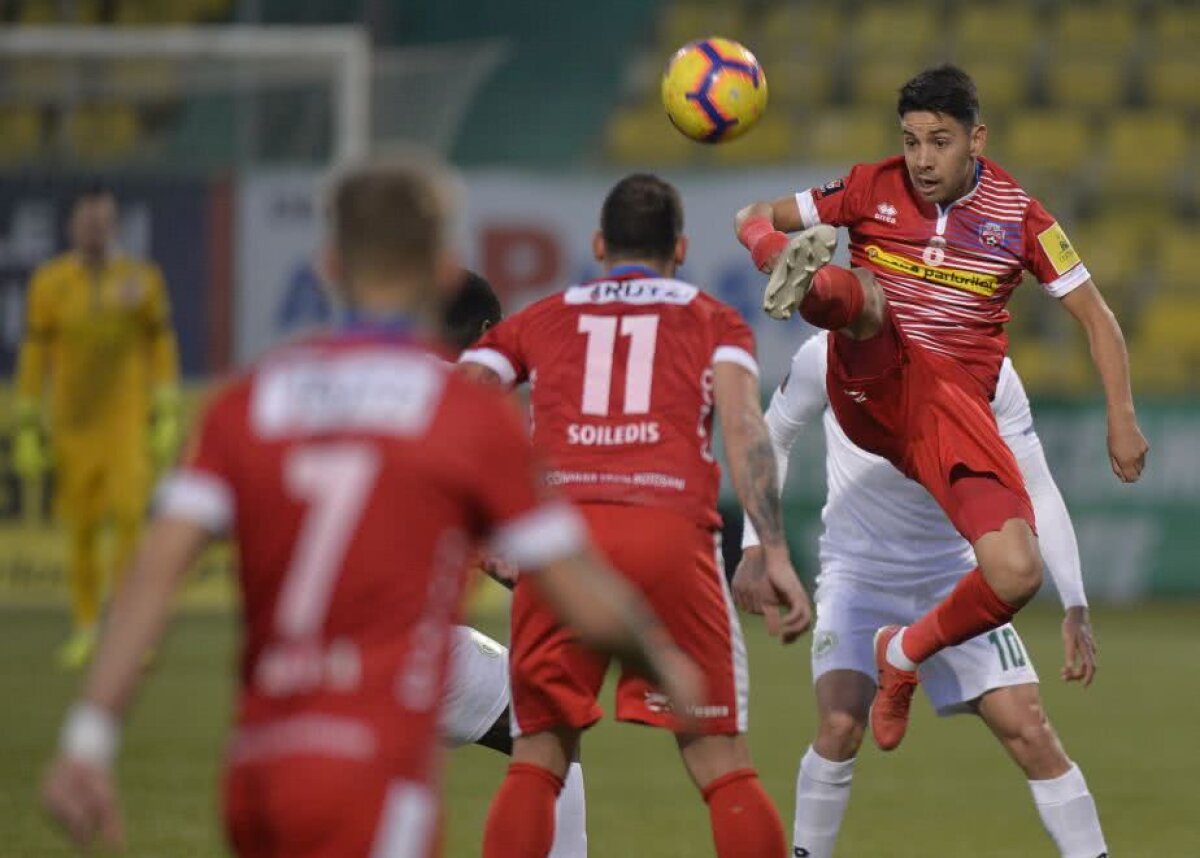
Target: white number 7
{"points": [[598, 363], [335, 481]]}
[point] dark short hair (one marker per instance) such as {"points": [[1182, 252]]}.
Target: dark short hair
{"points": [[89, 191], [944, 89], [472, 309], [642, 218]]}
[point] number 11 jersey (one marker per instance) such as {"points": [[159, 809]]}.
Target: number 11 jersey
{"points": [[621, 387]]}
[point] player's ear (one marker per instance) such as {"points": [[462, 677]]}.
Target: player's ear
{"points": [[681, 248], [599, 249], [978, 139]]}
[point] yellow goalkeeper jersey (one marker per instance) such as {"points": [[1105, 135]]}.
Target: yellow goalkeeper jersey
{"points": [[103, 339]]}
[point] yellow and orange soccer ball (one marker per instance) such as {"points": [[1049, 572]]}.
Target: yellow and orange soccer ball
{"points": [[714, 90]]}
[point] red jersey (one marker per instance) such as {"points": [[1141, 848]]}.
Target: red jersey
{"points": [[948, 272], [357, 473], [621, 387]]}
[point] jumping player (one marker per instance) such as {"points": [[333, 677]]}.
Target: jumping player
{"points": [[888, 553], [626, 372], [357, 471], [476, 706], [917, 351]]}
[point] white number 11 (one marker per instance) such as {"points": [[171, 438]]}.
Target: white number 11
{"points": [[598, 364]]}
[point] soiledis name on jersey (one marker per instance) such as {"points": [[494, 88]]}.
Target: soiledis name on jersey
{"points": [[968, 281], [592, 435]]}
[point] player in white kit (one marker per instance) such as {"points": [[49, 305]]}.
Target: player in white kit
{"points": [[477, 694], [887, 554]]}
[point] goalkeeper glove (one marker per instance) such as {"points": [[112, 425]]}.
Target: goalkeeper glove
{"points": [[165, 427], [30, 457]]}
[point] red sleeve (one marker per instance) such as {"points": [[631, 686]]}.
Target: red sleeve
{"points": [[1048, 254], [734, 340], [499, 349], [201, 488], [529, 526], [837, 203]]}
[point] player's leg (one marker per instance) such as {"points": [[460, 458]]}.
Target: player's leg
{"points": [[961, 459], [521, 819], [845, 300], [554, 683], [1017, 718], [126, 487], [78, 504], [677, 565], [827, 769]]}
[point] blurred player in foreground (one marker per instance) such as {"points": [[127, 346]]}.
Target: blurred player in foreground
{"points": [[99, 332], [888, 554], [477, 697], [917, 351], [357, 472], [625, 374]]}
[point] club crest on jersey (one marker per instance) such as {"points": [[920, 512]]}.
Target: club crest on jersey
{"points": [[831, 188], [886, 212], [991, 234]]}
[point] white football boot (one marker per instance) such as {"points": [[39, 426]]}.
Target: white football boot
{"points": [[806, 254]]}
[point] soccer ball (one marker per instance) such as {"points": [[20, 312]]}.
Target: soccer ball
{"points": [[714, 90]]}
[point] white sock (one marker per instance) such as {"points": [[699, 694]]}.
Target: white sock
{"points": [[1069, 814], [570, 817], [895, 653], [822, 793]]}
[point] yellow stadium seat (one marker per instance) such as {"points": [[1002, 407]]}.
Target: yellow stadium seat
{"points": [[847, 137], [1049, 366], [1095, 28], [1176, 28], [1178, 261], [773, 140], [995, 31], [644, 135], [1087, 81], [20, 133], [1174, 80], [1165, 354], [798, 82], [101, 132], [1113, 252], [139, 79], [1046, 140], [686, 22], [39, 79], [1002, 83], [876, 82], [903, 30], [813, 31], [1144, 151], [38, 12]]}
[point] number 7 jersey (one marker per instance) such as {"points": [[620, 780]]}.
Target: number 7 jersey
{"points": [[621, 387]]}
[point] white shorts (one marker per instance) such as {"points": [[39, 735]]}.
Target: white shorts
{"points": [[849, 613], [477, 689]]}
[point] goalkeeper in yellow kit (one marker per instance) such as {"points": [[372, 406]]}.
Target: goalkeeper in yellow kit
{"points": [[97, 396]]}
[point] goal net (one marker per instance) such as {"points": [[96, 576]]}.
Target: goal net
{"points": [[226, 96]]}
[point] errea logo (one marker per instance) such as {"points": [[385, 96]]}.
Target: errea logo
{"points": [[886, 212]]}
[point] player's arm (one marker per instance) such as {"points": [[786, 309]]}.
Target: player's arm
{"points": [[1056, 531], [79, 791], [755, 477], [163, 355], [1127, 446], [29, 454], [798, 401]]}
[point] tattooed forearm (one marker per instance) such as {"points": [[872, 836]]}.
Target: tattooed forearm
{"points": [[758, 486]]}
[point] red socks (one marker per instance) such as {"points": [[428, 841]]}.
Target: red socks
{"points": [[834, 300], [520, 822], [971, 609], [745, 823]]}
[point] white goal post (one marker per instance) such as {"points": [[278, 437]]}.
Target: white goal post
{"points": [[346, 50]]}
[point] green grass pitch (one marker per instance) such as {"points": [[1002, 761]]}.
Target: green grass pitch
{"points": [[948, 791]]}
